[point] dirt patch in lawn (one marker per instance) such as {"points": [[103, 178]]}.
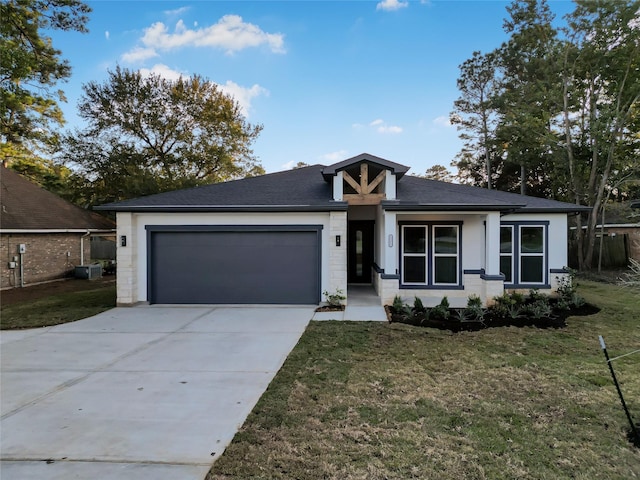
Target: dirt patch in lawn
{"points": [[34, 292]]}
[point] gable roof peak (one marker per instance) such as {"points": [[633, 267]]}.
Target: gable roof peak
{"points": [[396, 168]]}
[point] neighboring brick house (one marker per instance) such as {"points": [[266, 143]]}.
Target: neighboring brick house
{"points": [[55, 233]]}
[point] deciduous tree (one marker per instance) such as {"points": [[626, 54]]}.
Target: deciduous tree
{"points": [[148, 134]]}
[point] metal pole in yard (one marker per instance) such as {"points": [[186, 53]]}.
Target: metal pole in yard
{"points": [[615, 381]]}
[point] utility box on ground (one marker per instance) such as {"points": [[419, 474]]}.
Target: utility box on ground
{"points": [[89, 272]]}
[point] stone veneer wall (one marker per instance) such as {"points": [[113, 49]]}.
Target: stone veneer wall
{"points": [[387, 289], [338, 255], [49, 256]]}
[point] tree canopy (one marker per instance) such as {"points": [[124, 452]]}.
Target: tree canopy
{"points": [[30, 67], [554, 111], [147, 134]]}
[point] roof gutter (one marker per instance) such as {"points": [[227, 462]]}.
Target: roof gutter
{"points": [[57, 230], [445, 207], [337, 206], [576, 210]]}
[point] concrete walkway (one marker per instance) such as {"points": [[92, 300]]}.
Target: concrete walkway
{"points": [[363, 305], [137, 393]]}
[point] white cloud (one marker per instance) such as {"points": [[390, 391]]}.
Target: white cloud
{"points": [[382, 127], [231, 33], [389, 129], [442, 121], [334, 156], [288, 165], [138, 54], [107, 35], [177, 11], [163, 71], [243, 95], [391, 5]]}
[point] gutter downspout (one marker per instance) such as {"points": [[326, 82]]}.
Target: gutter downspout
{"points": [[82, 246], [21, 270]]}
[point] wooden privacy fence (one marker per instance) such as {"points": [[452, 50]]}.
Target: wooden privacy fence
{"points": [[615, 251], [103, 248]]}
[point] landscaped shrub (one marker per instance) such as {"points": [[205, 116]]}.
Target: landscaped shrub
{"points": [[398, 304], [509, 309], [334, 299], [441, 311]]}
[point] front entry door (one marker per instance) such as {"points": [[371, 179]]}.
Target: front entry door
{"points": [[359, 251]]}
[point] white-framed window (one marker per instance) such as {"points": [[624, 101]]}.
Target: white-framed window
{"points": [[430, 255], [532, 254], [523, 253], [414, 254], [506, 252]]}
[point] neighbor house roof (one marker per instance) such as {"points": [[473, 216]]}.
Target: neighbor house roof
{"points": [[27, 206], [305, 189]]}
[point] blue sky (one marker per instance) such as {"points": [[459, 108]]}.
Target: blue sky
{"points": [[327, 79]]}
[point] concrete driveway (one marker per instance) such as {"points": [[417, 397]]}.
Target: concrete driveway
{"points": [[138, 393]]}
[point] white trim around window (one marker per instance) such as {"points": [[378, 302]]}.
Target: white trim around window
{"points": [[527, 255], [430, 255]]}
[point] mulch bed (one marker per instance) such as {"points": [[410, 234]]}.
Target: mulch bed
{"points": [[558, 320], [34, 292], [329, 308]]}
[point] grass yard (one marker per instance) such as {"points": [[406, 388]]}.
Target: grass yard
{"points": [[380, 401], [59, 307]]}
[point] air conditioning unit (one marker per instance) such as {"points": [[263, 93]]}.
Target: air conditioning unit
{"points": [[89, 272]]}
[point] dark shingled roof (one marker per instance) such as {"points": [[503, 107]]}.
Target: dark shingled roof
{"points": [[414, 193], [26, 206], [305, 189], [298, 189]]}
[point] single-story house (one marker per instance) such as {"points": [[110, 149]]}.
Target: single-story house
{"points": [[42, 236], [287, 237]]}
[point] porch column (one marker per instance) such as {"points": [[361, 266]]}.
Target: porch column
{"points": [[337, 254], [390, 185], [492, 244], [126, 281], [390, 245], [338, 186]]}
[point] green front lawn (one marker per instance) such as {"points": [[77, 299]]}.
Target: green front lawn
{"points": [[58, 308], [380, 401]]}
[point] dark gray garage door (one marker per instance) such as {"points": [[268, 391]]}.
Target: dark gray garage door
{"points": [[255, 266]]}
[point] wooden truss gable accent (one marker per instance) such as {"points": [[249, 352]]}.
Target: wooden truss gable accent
{"points": [[365, 190]]}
